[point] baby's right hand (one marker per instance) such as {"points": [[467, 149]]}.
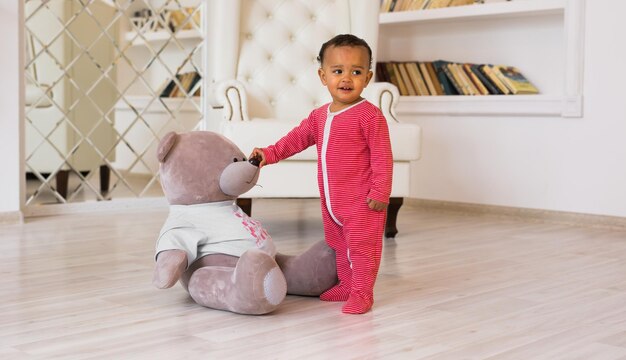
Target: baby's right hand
{"points": [[259, 155]]}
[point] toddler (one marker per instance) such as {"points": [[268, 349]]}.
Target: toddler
{"points": [[354, 168]]}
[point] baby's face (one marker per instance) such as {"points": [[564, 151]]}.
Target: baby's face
{"points": [[345, 72]]}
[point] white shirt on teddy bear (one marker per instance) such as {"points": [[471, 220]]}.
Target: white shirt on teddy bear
{"points": [[212, 228]]}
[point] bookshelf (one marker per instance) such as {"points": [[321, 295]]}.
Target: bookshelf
{"points": [[544, 38], [151, 60]]}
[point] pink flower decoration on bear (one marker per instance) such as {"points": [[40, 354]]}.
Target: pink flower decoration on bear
{"points": [[254, 227]]}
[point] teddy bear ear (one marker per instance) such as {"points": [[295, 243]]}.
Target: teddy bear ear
{"points": [[166, 144]]}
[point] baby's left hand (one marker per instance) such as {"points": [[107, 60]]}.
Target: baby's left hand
{"points": [[376, 205]]}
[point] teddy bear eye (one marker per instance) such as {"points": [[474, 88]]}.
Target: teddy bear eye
{"points": [[235, 160]]}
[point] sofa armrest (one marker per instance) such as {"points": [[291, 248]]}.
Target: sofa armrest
{"points": [[384, 95], [230, 96]]}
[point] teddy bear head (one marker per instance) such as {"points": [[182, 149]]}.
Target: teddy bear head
{"points": [[202, 167]]}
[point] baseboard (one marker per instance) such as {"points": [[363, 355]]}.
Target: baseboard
{"points": [[13, 217], [560, 217], [96, 206]]}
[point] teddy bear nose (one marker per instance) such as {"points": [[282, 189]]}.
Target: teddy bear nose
{"points": [[255, 161]]}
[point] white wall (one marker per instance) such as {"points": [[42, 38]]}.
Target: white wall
{"points": [[553, 163], [562, 164], [10, 167]]}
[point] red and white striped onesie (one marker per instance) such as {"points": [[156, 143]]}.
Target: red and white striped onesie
{"points": [[354, 164]]}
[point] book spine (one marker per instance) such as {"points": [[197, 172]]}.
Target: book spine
{"points": [[446, 85], [493, 90], [482, 90], [427, 79], [401, 86], [407, 80], [503, 79], [457, 75], [392, 75], [432, 73], [419, 77], [488, 71], [457, 86], [467, 82]]}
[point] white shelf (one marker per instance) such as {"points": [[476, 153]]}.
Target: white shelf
{"points": [[143, 103], [490, 105], [163, 35], [477, 11]]}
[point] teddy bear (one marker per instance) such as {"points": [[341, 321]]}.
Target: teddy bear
{"points": [[222, 257]]}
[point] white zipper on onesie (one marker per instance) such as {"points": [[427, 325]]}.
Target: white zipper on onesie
{"points": [[329, 119]]}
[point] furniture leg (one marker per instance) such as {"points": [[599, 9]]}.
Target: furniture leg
{"points": [[105, 176], [62, 179], [392, 215], [245, 205]]}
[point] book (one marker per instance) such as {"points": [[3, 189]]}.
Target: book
{"points": [[434, 78], [498, 74], [454, 70], [455, 84], [515, 81], [184, 19], [493, 90], [416, 5], [401, 5], [187, 81], [183, 85], [184, 82], [427, 79], [401, 85], [446, 84], [488, 71], [381, 73], [473, 90], [436, 4], [385, 5], [411, 90], [176, 86], [482, 89], [392, 74], [461, 2], [418, 79], [167, 89], [195, 80]]}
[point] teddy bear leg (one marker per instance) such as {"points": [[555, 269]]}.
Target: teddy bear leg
{"points": [[208, 260], [170, 265], [310, 273], [255, 286]]}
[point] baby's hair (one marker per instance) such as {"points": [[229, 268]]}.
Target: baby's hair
{"points": [[345, 40]]}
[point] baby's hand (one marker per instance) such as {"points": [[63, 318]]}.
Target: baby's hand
{"points": [[259, 155], [376, 205]]}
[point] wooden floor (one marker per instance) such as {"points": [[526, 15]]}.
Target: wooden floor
{"points": [[451, 286]]}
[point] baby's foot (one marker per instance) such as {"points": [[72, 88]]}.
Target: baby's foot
{"points": [[338, 292], [358, 303]]}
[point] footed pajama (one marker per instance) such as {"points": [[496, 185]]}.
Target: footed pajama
{"points": [[355, 164]]}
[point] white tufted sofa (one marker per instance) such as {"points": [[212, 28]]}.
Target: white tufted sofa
{"points": [[264, 71]]}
